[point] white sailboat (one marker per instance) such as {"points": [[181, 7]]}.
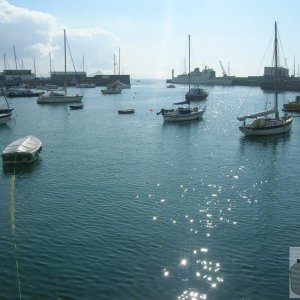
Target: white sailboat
{"points": [[264, 124], [185, 112], [85, 85], [55, 97]]}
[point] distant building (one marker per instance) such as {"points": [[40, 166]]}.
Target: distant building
{"points": [[281, 72], [71, 77], [18, 75]]}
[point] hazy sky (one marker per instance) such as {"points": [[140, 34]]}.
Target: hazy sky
{"points": [[152, 34]]}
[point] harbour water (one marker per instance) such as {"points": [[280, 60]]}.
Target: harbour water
{"points": [[129, 207]]}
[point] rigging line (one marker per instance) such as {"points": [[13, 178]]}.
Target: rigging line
{"points": [[13, 226], [76, 74], [271, 39], [281, 47], [258, 70]]}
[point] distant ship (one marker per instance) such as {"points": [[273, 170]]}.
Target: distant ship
{"points": [[206, 76]]}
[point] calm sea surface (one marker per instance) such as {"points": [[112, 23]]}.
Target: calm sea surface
{"points": [[127, 207]]}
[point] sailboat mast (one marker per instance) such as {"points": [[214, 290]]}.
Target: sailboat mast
{"points": [[189, 63], [4, 62], [276, 75], [65, 51], [50, 63], [16, 59], [119, 62], [114, 64]]}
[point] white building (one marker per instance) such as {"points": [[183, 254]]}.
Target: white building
{"points": [[18, 75], [281, 72]]}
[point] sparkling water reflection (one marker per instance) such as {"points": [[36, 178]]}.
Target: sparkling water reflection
{"points": [[132, 208]]}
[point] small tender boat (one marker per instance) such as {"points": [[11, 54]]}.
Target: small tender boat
{"points": [[171, 86], [22, 151], [126, 111], [76, 106]]}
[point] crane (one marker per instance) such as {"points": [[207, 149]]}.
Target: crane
{"points": [[223, 70]]}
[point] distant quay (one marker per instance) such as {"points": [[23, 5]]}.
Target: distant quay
{"points": [[16, 77], [266, 82]]}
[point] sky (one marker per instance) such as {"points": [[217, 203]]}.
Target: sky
{"points": [[152, 35]]}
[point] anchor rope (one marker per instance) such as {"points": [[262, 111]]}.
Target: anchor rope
{"points": [[13, 226]]}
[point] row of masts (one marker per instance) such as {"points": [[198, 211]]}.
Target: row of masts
{"points": [[7, 66]]}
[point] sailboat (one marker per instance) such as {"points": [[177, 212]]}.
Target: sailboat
{"points": [[85, 85], [263, 123], [5, 112], [55, 97], [196, 94], [185, 112]]}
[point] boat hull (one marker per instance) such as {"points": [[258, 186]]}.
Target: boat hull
{"points": [[126, 111], [25, 95], [76, 106], [196, 98], [111, 92], [5, 110], [22, 151], [177, 116], [277, 127], [59, 99], [4, 118]]}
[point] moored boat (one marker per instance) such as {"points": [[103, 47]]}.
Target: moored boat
{"points": [[184, 112], [85, 85], [5, 112], [292, 105], [22, 151], [126, 111], [21, 92], [263, 123], [5, 117], [196, 94], [54, 97], [76, 106], [112, 89]]}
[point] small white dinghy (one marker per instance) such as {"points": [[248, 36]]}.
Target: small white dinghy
{"points": [[22, 151]]}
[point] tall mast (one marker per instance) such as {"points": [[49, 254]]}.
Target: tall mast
{"points": [[294, 66], [189, 64], [4, 62], [276, 76], [15, 59], [114, 64], [50, 63], [65, 61], [34, 67], [119, 62]]}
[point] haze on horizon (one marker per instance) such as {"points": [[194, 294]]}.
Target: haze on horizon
{"points": [[151, 35]]}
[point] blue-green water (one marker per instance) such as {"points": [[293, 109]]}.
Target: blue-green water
{"points": [[127, 207]]}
